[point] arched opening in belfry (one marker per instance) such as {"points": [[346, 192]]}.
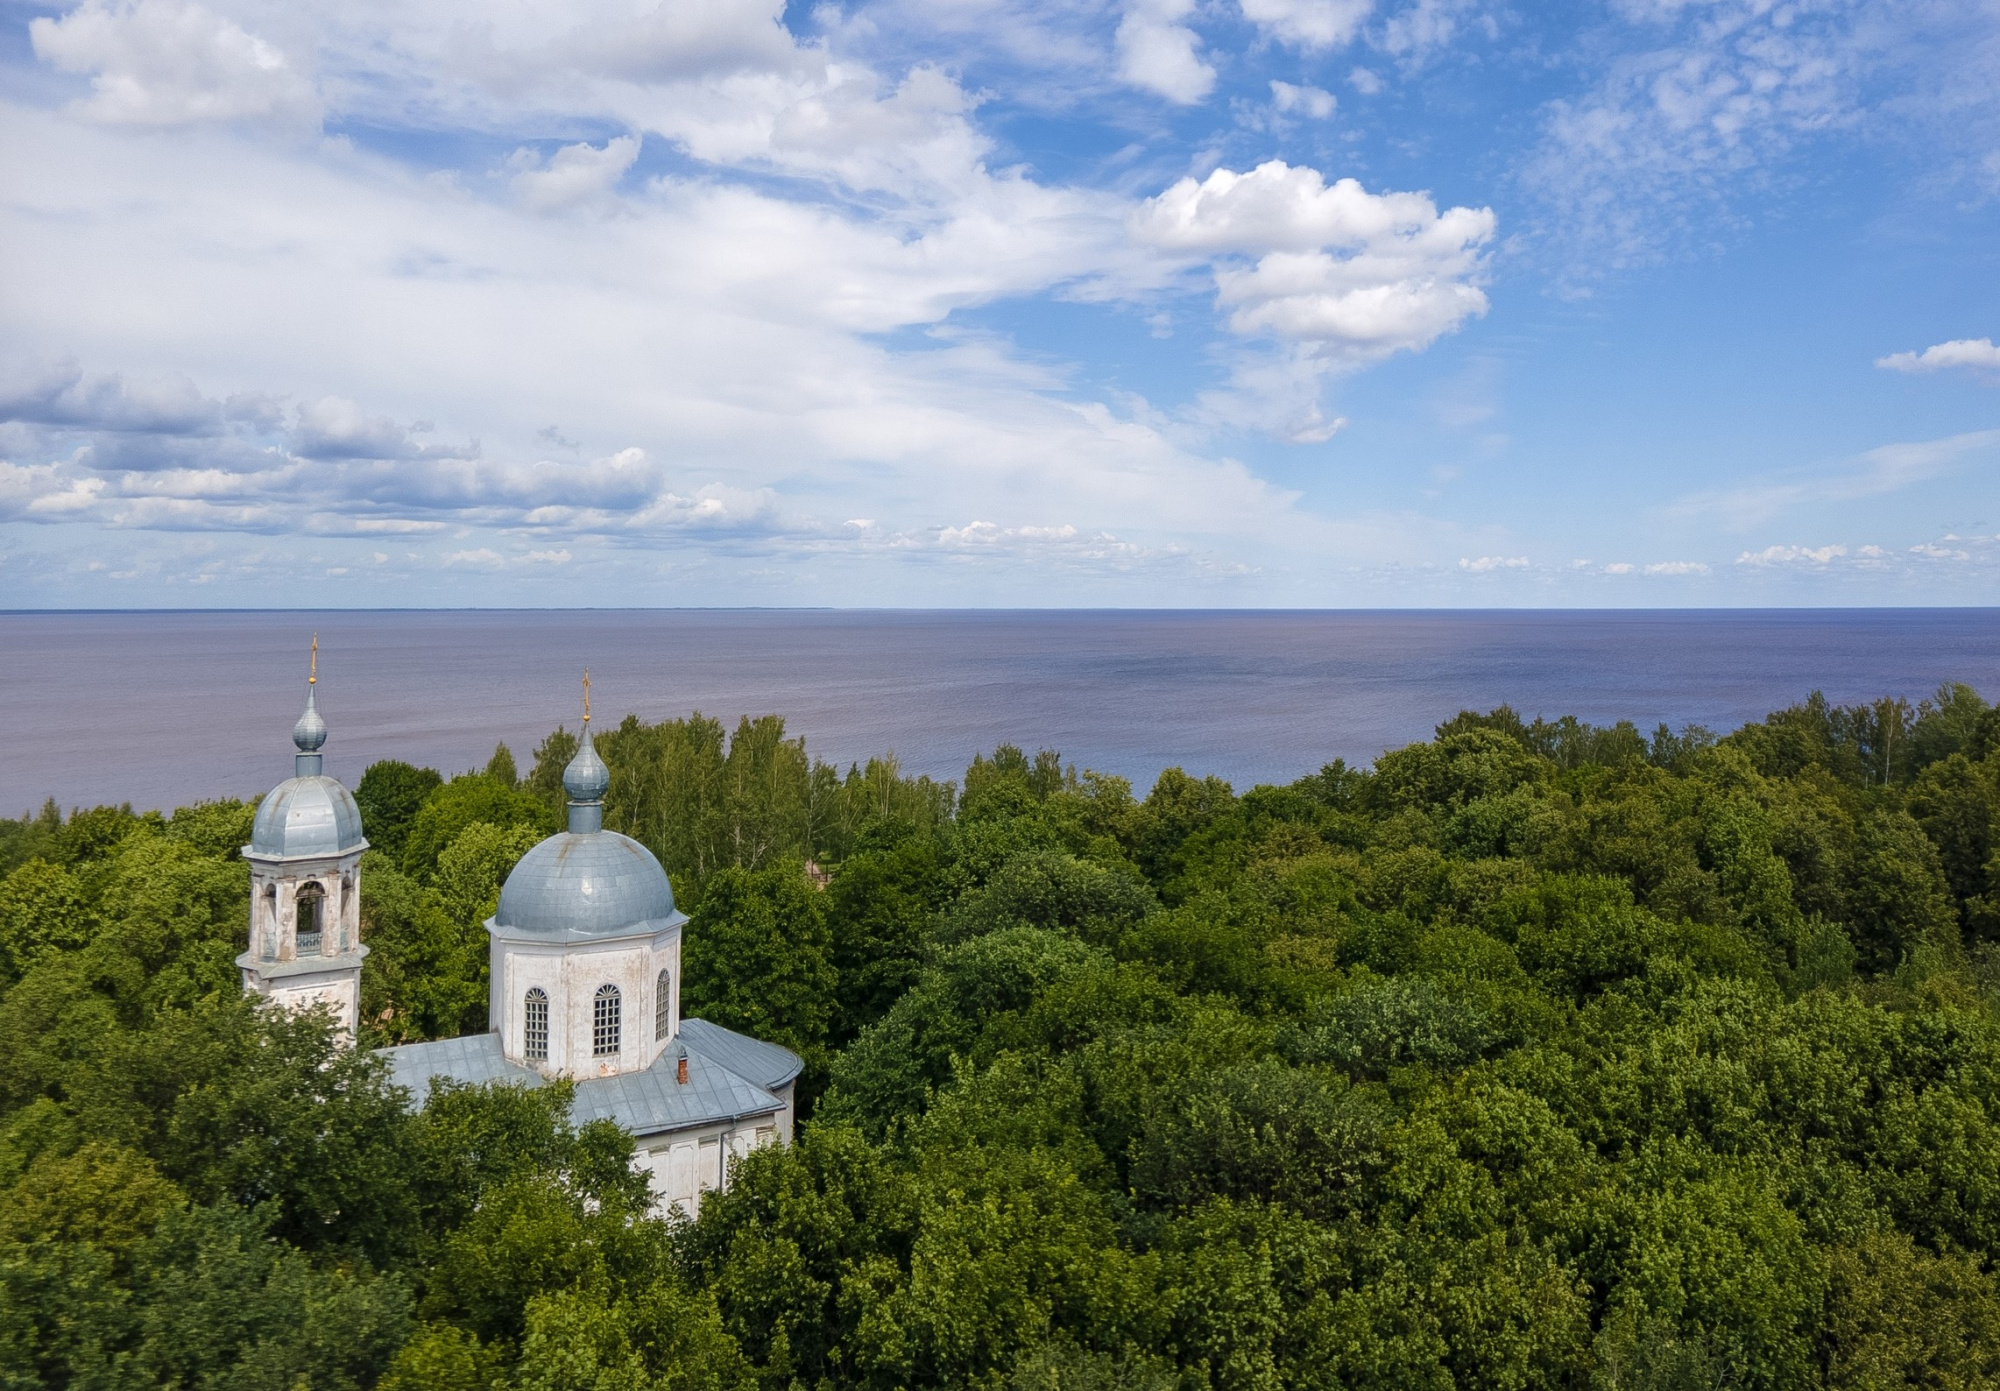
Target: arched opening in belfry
{"points": [[311, 905], [663, 1006]]}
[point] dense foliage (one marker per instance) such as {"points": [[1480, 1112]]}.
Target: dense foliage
{"points": [[1538, 1055]]}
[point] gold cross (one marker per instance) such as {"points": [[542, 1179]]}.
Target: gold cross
{"points": [[586, 695], [312, 678]]}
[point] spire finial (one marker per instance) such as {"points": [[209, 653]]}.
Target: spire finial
{"points": [[310, 732], [586, 779]]}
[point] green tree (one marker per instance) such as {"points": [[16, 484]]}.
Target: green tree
{"points": [[758, 958], [878, 912], [471, 797], [41, 912], [500, 767], [390, 794]]}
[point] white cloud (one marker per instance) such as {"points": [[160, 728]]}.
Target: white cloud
{"points": [[1885, 469], [1794, 555], [57, 393], [1365, 82], [1312, 101], [1160, 54], [574, 174], [1959, 352], [1424, 27], [334, 428], [1309, 25], [1482, 564], [731, 352], [172, 62], [1352, 274], [1677, 567], [1650, 154]]}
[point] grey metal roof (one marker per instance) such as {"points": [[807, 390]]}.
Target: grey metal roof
{"points": [[766, 1064], [307, 816], [576, 887], [648, 1102], [474, 1059], [643, 1103]]}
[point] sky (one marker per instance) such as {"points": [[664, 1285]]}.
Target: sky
{"points": [[1165, 303]]}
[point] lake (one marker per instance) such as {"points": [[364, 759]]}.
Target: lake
{"points": [[162, 708]]}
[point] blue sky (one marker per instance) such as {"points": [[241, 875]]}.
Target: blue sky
{"points": [[950, 302]]}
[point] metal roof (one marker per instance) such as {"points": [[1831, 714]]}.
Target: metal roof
{"points": [[766, 1064], [307, 817], [642, 1103], [577, 887]]}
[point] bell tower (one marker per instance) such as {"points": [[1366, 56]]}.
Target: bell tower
{"points": [[305, 883]]}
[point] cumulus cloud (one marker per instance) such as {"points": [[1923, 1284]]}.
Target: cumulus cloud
{"points": [[730, 356], [1310, 101], [1351, 274], [57, 393], [574, 174], [1677, 567], [664, 43], [1159, 53], [1480, 565], [1793, 555], [335, 428], [172, 62], [1312, 26], [1977, 353]]}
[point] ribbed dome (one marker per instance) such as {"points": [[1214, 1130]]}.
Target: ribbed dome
{"points": [[575, 886], [307, 816]]}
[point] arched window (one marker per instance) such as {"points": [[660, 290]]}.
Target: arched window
{"points": [[663, 1006], [311, 902], [535, 1025], [604, 1023], [268, 929]]}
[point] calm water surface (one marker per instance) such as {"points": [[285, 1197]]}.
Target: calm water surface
{"points": [[165, 708]]}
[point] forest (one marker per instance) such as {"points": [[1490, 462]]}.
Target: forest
{"points": [[1539, 1054]]}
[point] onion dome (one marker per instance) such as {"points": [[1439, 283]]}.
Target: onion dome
{"points": [[308, 815], [586, 779], [310, 732]]}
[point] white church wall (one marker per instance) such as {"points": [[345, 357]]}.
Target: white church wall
{"points": [[682, 1165], [571, 975]]}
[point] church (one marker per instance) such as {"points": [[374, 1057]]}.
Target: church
{"points": [[585, 954]]}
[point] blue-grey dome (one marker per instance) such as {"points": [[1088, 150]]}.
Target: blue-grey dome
{"points": [[312, 815], [586, 779], [571, 886], [310, 732]]}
